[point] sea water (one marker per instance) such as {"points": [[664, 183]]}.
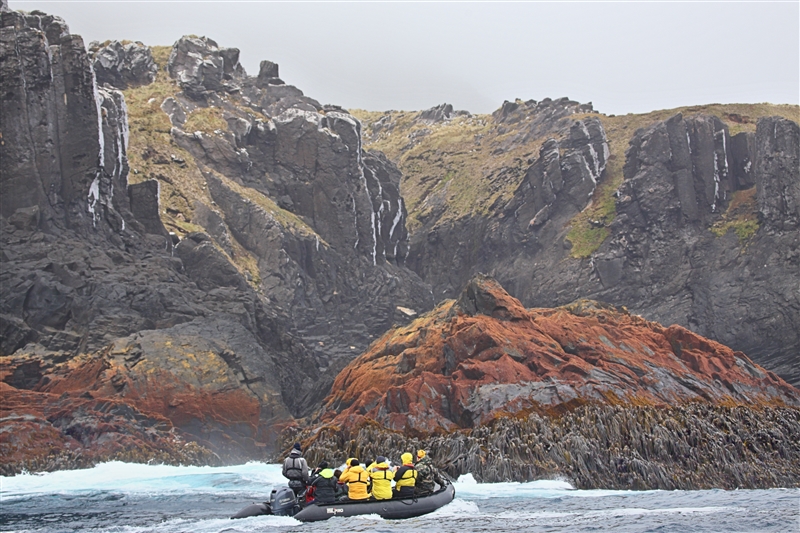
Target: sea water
{"points": [[133, 498]]}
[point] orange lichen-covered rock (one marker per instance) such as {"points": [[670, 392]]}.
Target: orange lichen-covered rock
{"points": [[485, 355], [123, 403]]}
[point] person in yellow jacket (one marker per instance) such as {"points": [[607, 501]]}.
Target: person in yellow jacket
{"points": [[357, 480], [381, 477], [405, 477]]}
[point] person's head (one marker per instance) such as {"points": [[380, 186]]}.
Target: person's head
{"points": [[323, 465], [406, 458], [337, 473], [354, 462], [297, 447], [380, 459], [420, 454]]}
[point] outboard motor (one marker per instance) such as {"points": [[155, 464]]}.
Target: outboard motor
{"points": [[283, 502]]}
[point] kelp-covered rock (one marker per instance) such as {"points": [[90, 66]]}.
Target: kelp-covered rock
{"points": [[688, 447]]}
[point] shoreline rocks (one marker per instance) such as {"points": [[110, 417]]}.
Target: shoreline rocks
{"points": [[687, 447]]}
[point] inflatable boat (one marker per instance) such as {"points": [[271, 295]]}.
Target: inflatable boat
{"points": [[283, 503]]}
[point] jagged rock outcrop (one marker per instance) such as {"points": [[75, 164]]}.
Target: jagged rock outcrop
{"points": [[122, 65], [220, 335], [64, 140], [661, 255], [268, 75], [553, 188], [440, 113], [484, 354], [586, 391], [332, 251], [564, 177], [777, 160], [202, 67]]}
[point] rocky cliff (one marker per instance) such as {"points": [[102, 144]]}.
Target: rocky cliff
{"points": [[190, 255], [686, 216], [586, 391], [204, 249]]}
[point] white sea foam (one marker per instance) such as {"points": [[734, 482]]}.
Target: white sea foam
{"points": [[170, 499], [457, 508], [147, 479], [216, 525]]}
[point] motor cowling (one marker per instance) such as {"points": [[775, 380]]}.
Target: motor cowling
{"points": [[283, 502]]}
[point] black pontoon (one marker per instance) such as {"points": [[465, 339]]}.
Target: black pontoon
{"points": [[283, 503]]}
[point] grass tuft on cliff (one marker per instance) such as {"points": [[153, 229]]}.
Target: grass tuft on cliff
{"points": [[741, 216]]}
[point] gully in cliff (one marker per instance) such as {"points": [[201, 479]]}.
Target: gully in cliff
{"points": [[282, 502]]}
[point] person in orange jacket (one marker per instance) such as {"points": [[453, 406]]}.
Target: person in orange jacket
{"points": [[405, 477], [357, 480]]}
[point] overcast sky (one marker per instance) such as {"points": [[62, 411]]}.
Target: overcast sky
{"points": [[623, 57]]}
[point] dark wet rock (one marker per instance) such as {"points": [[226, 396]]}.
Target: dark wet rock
{"points": [[564, 177], [122, 65], [268, 75], [207, 266], [144, 206], [200, 66], [440, 113], [777, 159]]}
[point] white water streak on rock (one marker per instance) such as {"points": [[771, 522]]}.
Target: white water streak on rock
{"points": [[716, 184], [397, 217], [98, 105]]}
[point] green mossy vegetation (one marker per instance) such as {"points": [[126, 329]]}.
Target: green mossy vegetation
{"points": [[153, 154], [741, 216], [206, 120], [454, 164]]}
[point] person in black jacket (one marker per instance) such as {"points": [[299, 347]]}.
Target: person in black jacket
{"points": [[326, 486]]}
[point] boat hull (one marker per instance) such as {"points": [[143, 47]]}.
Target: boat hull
{"points": [[389, 509]]}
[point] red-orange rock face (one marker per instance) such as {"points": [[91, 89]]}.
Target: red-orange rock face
{"points": [[101, 406], [485, 355]]}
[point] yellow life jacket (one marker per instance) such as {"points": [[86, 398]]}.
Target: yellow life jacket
{"points": [[381, 480], [357, 481], [405, 476]]}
